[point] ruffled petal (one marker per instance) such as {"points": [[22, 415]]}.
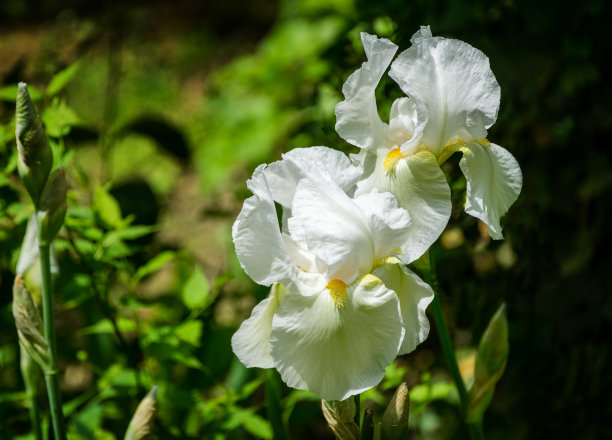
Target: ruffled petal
{"points": [[251, 343], [257, 237], [414, 295], [328, 223], [420, 187], [494, 182], [357, 119], [402, 120], [315, 163], [333, 351], [388, 224], [456, 93]]}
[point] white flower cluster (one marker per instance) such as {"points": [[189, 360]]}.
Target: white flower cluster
{"points": [[343, 304]]}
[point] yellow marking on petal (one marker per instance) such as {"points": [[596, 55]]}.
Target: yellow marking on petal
{"points": [[367, 279], [462, 146], [392, 158], [385, 260], [337, 290]]}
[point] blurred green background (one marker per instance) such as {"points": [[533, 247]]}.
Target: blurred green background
{"points": [[160, 112]]}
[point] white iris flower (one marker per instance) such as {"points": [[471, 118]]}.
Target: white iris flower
{"points": [[344, 306], [453, 100]]}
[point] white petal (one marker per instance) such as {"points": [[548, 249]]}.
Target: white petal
{"points": [[402, 120], [357, 119], [494, 182], [456, 93], [328, 223], [423, 33], [421, 189], [315, 163], [414, 296], [251, 343], [257, 237], [388, 224], [337, 352]]}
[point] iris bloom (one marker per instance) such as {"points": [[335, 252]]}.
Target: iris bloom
{"points": [[453, 98], [341, 306]]}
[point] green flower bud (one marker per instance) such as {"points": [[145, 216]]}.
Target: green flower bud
{"points": [[340, 418], [30, 371], [490, 364], [29, 325], [394, 424], [141, 425], [52, 207], [35, 155]]}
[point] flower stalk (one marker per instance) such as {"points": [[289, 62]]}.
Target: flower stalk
{"points": [[474, 428], [48, 195], [52, 375]]}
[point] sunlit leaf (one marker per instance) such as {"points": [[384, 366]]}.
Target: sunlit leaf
{"points": [[58, 119], [195, 290], [190, 332], [153, 265], [9, 93], [61, 78], [107, 208], [106, 326]]}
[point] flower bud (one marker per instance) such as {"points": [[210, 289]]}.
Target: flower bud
{"points": [[141, 425], [394, 424], [340, 418], [490, 364], [52, 207], [35, 155], [29, 324], [30, 372]]}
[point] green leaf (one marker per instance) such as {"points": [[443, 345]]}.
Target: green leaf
{"points": [[9, 93], [61, 78], [58, 119], [106, 326], [258, 426], [195, 290], [190, 332], [153, 265], [107, 208], [251, 422], [134, 232], [490, 364]]}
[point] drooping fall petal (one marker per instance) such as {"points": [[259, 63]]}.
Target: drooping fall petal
{"points": [[333, 351]]}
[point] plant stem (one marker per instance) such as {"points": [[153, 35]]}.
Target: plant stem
{"points": [[35, 416], [51, 378], [275, 414], [474, 428]]}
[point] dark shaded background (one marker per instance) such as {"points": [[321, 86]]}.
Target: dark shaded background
{"points": [[552, 62]]}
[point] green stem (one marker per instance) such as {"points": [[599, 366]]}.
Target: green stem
{"points": [[35, 416], [275, 413], [474, 428], [51, 378]]}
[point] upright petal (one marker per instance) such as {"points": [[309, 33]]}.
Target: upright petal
{"points": [[251, 343], [257, 237], [456, 93], [333, 351], [494, 182], [315, 163], [328, 223], [421, 189], [388, 224], [414, 295], [357, 119]]}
